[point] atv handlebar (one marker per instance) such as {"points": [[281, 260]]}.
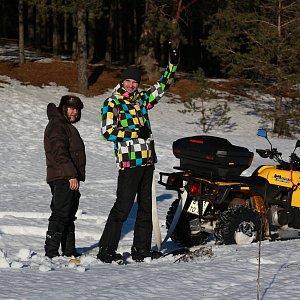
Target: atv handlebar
{"points": [[275, 155], [270, 153], [264, 153]]}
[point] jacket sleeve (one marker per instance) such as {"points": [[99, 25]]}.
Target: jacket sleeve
{"points": [[154, 93], [110, 129]]}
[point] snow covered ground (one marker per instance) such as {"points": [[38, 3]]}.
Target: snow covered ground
{"points": [[219, 272]]}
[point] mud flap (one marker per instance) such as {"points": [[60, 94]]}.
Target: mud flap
{"points": [[176, 216]]}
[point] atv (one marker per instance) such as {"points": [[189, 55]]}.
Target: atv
{"points": [[215, 200]]}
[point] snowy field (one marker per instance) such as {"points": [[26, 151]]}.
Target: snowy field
{"points": [[219, 272]]}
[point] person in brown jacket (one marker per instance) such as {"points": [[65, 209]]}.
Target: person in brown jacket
{"points": [[66, 160]]}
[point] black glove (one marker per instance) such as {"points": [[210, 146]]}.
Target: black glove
{"points": [[144, 132], [173, 54]]}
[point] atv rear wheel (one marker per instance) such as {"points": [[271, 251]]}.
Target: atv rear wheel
{"points": [[182, 234], [238, 225]]}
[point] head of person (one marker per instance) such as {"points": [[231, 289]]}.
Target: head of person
{"points": [[71, 106], [130, 79]]}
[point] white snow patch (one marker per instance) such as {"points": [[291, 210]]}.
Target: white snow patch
{"points": [[231, 273], [45, 268], [4, 263], [24, 254]]}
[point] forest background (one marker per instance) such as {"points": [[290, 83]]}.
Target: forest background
{"points": [[256, 43]]}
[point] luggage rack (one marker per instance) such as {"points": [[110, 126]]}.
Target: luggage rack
{"points": [[216, 190]]}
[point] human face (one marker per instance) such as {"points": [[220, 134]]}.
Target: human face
{"points": [[72, 114], [130, 85]]}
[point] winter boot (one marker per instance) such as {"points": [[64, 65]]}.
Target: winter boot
{"points": [[108, 256], [140, 254], [52, 243], [68, 245]]}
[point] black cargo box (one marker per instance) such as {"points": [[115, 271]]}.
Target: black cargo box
{"points": [[211, 156]]}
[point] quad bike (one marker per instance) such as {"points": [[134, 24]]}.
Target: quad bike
{"points": [[215, 200]]}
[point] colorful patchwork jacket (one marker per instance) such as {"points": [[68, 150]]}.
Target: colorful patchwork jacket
{"points": [[122, 115]]}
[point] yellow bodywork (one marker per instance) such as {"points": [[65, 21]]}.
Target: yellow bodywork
{"points": [[285, 178]]}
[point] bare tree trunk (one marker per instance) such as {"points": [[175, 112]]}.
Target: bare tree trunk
{"points": [[21, 33], [135, 54], [38, 25], [178, 8], [30, 23], [108, 52], [3, 19], [91, 35], [120, 33], [65, 46], [279, 121], [162, 52], [146, 58], [75, 38], [82, 51], [55, 34], [41, 21], [175, 22]]}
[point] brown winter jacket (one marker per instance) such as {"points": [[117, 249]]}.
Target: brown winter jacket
{"points": [[64, 148]]}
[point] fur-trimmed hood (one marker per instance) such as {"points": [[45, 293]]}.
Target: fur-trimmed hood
{"points": [[53, 111], [61, 113]]}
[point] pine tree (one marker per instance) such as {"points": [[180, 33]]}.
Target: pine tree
{"points": [[260, 40]]}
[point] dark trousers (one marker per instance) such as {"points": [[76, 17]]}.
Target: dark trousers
{"points": [[64, 206], [132, 182]]}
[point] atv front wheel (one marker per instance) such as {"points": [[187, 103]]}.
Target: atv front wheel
{"points": [[182, 234], [238, 225]]}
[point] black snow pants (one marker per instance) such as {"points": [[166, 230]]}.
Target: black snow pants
{"points": [[61, 227], [64, 206], [132, 182]]}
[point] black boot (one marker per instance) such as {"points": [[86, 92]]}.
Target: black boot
{"points": [[140, 254], [68, 245], [52, 243], [108, 256]]}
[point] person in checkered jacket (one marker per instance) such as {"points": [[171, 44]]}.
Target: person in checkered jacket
{"points": [[125, 122]]}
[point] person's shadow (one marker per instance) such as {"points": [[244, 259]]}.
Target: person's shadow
{"points": [[128, 225]]}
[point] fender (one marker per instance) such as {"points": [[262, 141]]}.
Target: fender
{"points": [[284, 178], [177, 215]]}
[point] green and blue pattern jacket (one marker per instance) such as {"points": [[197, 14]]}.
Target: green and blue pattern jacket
{"points": [[122, 115]]}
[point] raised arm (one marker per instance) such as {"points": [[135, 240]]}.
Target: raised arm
{"points": [[155, 92]]}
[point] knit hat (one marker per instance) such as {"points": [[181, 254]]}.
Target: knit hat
{"points": [[132, 73], [71, 101]]}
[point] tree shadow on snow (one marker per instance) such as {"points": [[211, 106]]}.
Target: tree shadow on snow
{"points": [[96, 72], [268, 289]]}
